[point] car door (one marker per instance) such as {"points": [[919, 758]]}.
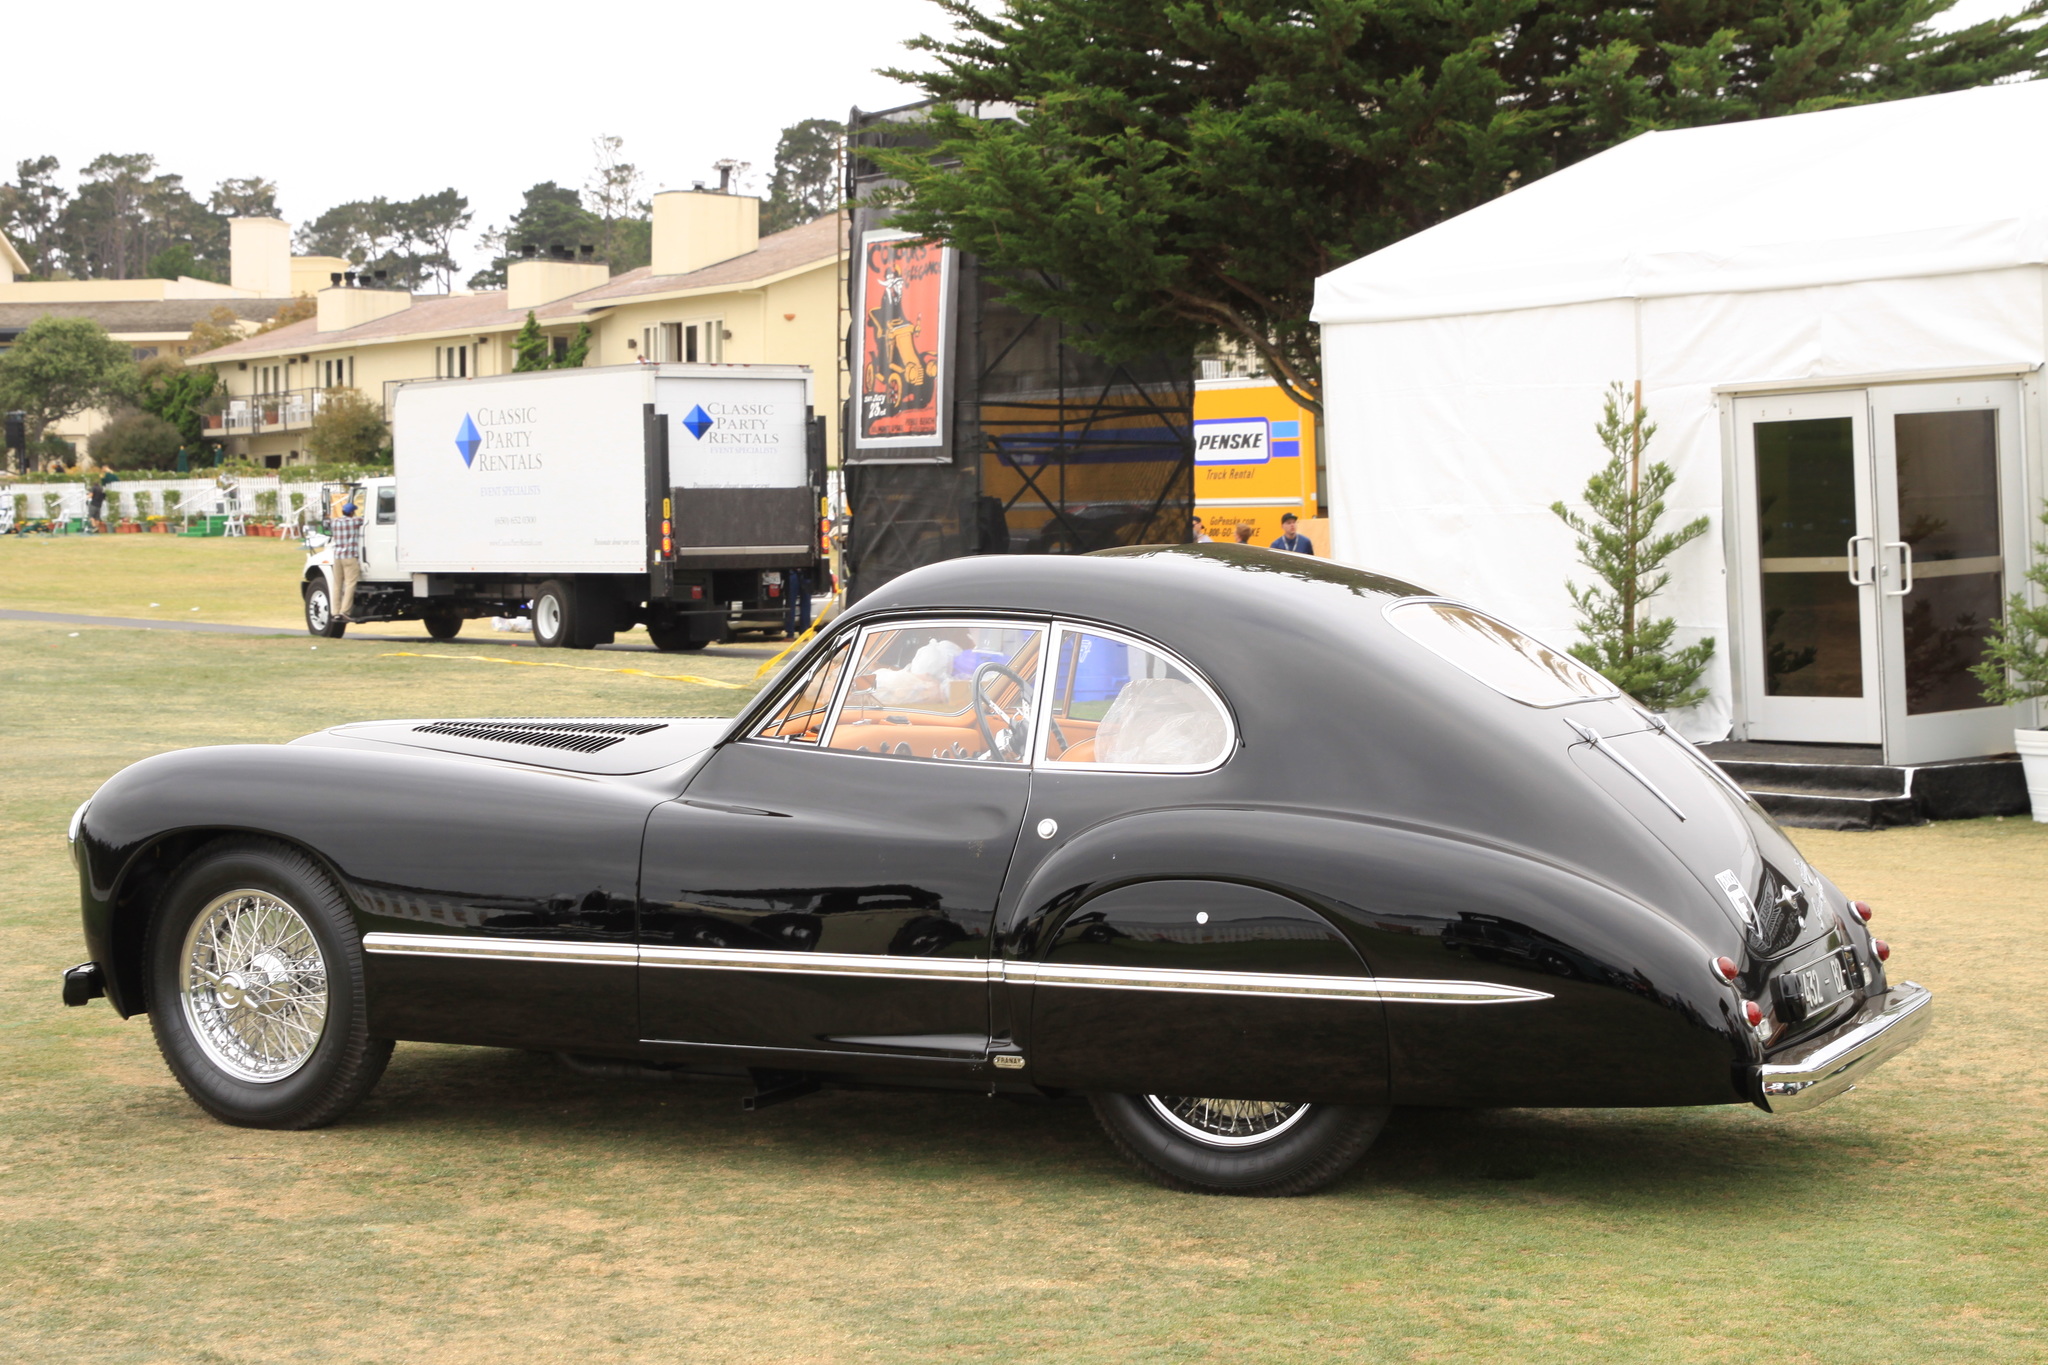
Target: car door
{"points": [[826, 886], [1166, 951]]}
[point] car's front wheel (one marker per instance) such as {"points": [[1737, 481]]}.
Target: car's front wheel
{"points": [[1249, 1147], [255, 989]]}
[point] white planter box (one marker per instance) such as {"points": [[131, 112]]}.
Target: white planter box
{"points": [[2033, 747]]}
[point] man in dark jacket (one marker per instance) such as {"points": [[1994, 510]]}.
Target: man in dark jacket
{"points": [[1289, 541]]}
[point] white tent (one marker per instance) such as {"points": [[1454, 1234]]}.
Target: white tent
{"points": [[1848, 267]]}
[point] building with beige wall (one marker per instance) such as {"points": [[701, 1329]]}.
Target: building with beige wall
{"points": [[155, 317], [715, 291]]}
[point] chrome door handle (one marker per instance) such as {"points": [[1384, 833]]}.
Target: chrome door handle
{"points": [[1905, 566], [1856, 561]]}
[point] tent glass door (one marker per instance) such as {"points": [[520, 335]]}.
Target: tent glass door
{"points": [[1807, 554], [1943, 453]]}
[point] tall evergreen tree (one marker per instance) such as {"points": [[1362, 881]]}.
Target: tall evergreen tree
{"points": [[805, 182], [1621, 544], [1182, 170]]}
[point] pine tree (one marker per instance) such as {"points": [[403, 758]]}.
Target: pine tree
{"points": [[531, 348], [1181, 172], [1621, 545], [2015, 664]]}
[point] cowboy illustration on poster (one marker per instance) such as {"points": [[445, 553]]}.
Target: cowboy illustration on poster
{"points": [[903, 327]]}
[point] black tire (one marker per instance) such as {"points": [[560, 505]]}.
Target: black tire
{"points": [[319, 603], [1324, 1143], [566, 615], [443, 625], [345, 1062], [555, 615], [673, 637]]}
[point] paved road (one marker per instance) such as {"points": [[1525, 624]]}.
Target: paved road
{"points": [[508, 639]]}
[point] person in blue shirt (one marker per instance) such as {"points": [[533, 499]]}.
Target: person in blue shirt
{"points": [[1289, 541]]}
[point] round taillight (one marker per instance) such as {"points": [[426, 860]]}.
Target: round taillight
{"points": [[1752, 1012], [1882, 949], [1725, 968], [1863, 910]]}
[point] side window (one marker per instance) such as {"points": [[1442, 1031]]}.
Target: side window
{"points": [[801, 719], [387, 506], [1118, 704], [963, 691]]}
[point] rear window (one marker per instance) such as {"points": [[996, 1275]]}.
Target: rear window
{"points": [[1515, 665]]}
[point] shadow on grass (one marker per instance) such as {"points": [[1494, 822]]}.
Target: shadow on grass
{"points": [[1674, 1157]]}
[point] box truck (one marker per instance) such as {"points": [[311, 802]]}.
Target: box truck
{"points": [[678, 497]]}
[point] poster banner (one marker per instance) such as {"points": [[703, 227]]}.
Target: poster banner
{"points": [[905, 323]]}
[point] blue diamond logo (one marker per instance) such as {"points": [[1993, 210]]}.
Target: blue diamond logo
{"points": [[467, 440], [698, 423]]}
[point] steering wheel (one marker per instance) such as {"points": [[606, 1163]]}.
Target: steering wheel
{"points": [[1010, 738]]}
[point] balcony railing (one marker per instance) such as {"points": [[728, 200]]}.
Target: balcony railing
{"points": [[291, 410]]}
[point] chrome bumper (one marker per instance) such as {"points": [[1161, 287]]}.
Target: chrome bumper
{"points": [[1817, 1071]]}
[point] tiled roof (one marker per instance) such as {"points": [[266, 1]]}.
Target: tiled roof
{"points": [[140, 315], [429, 313], [819, 240]]}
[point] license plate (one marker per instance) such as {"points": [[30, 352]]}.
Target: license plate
{"points": [[1806, 990]]}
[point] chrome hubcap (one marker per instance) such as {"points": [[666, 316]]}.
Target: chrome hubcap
{"points": [[254, 985], [316, 608], [1227, 1123]]}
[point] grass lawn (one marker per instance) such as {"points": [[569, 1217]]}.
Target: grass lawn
{"points": [[248, 581], [490, 1206]]}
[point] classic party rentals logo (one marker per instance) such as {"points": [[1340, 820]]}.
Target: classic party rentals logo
{"points": [[698, 422], [468, 440]]}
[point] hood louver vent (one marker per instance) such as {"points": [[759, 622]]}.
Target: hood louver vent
{"points": [[584, 737]]}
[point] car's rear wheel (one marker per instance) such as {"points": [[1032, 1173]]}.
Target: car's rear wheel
{"points": [[255, 989], [320, 610], [1248, 1147]]}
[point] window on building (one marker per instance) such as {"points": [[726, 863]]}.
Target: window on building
{"points": [[143, 353], [688, 343], [451, 362]]}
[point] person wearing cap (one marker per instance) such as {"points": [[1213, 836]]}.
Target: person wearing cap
{"points": [[346, 539], [1289, 541]]}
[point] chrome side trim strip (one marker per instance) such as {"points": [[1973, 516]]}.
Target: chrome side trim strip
{"points": [[1261, 983], [502, 949], [962, 969], [819, 964]]}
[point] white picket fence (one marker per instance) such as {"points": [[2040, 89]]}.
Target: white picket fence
{"points": [[137, 498]]}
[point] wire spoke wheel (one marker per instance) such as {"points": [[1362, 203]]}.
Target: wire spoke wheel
{"points": [[254, 986], [1227, 1123]]}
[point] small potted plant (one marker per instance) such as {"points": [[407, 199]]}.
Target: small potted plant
{"points": [[2014, 671]]}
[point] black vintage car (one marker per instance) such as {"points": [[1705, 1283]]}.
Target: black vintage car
{"points": [[1245, 847]]}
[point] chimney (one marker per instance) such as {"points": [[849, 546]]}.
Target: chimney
{"points": [[696, 228], [260, 256], [354, 302], [532, 281]]}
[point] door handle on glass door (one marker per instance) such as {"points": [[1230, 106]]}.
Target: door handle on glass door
{"points": [[1856, 562], [1905, 567]]}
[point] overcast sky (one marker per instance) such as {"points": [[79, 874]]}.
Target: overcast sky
{"points": [[341, 102], [405, 97]]}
